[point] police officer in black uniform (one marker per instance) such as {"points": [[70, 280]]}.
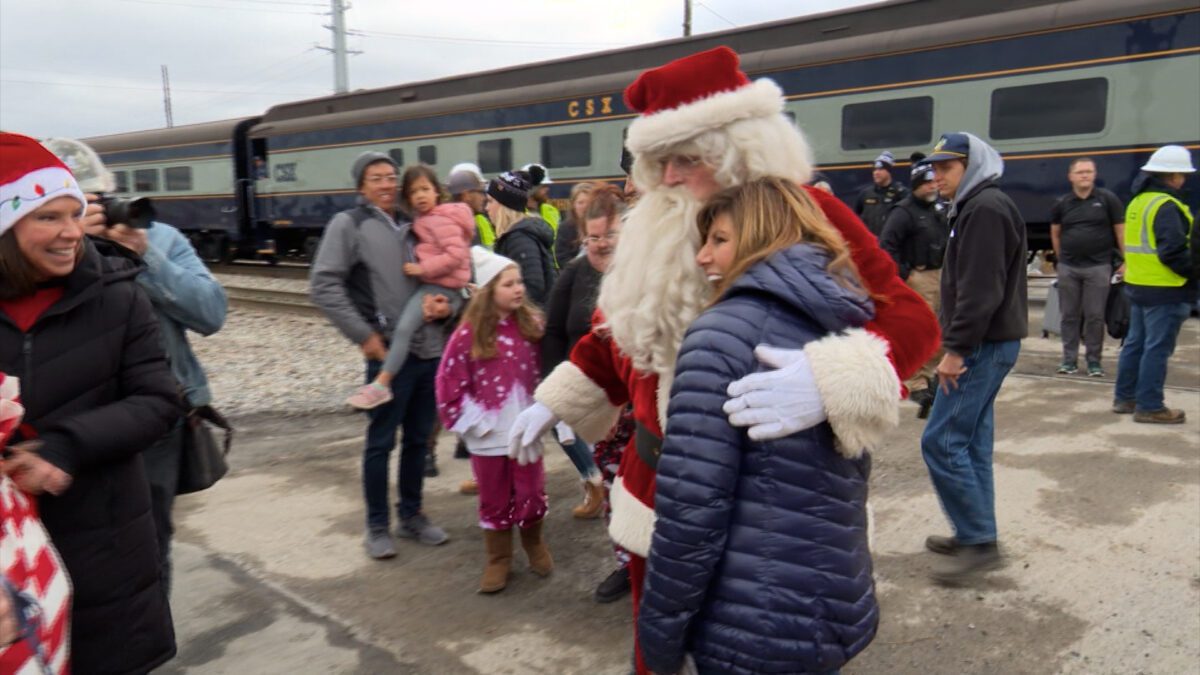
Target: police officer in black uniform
{"points": [[877, 199], [915, 235]]}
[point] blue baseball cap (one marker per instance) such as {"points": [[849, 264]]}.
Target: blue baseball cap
{"points": [[950, 146]]}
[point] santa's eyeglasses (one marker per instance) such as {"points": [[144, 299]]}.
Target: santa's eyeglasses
{"points": [[681, 163]]}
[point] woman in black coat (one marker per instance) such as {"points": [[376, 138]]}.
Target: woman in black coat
{"points": [[80, 334], [525, 239]]}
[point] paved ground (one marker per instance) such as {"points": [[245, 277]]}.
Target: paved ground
{"points": [[1100, 521]]}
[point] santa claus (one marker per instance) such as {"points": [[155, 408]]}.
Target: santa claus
{"points": [[705, 126]]}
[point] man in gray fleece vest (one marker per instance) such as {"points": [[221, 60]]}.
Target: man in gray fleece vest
{"points": [[358, 281]]}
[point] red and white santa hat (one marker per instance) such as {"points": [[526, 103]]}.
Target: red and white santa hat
{"points": [[30, 176], [694, 94]]}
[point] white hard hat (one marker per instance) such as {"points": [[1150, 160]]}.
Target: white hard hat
{"points": [[467, 166], [546, 180], [1170, 159]]}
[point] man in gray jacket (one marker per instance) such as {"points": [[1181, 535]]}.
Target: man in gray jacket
{"points": [[358, 281]]}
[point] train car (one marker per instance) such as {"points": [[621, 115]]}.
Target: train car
{"points": [[200, 176], [1042, 81]]}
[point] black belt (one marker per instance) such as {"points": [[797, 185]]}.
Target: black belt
{"points": [[648, 445]]}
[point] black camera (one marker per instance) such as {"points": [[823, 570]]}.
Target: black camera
{"points": [[137, 212]]}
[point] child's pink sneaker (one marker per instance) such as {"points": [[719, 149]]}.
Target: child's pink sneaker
{"points": [[370, 396]]}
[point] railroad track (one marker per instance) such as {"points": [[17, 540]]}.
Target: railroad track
{"points": [[261, 299], [253, 269]]}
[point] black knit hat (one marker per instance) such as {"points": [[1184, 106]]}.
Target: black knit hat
{"points": [[922, 170], [512, 188]]}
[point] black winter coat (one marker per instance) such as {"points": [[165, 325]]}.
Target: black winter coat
{"points": [[97, 391], [760, 561], [528, 243], [985, 297]]}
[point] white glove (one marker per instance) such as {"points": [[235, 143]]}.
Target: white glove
{"points": [[776, 403], [525, 437], [566, 435]]}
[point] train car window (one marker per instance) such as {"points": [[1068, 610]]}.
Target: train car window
{"points": [[1049, 109], [145, 180], [887, 124], [427, 154], [564, 150], [495, 155], [178, 177], [397, 155], [122, 178]]}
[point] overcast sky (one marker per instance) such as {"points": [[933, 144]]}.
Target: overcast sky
{"points": [[82, 68]]}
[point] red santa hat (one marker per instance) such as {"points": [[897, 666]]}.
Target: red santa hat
{"points": [[694, 94], [30, 176]]}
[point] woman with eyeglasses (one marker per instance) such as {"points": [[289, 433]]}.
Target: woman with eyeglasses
{"points": [[569, 317]]}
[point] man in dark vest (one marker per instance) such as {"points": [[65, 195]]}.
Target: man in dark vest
{"points": [[914, 234], [881, 195]]}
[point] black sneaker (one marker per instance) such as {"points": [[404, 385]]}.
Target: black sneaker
{"points": [[614, 587], [967, 564], [924, 399]]}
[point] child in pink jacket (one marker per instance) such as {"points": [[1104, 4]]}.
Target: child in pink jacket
{"points": [[444, 233]]}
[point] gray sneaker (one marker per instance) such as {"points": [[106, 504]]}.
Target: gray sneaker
{"points": [[379, 544], [418, 527]]}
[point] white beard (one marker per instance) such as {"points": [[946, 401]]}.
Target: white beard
{"points": [[653, 288]]}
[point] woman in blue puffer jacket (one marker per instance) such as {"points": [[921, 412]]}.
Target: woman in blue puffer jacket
{"points": [[760, 561]]}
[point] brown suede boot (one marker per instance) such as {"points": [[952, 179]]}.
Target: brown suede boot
{"points": [[499, 546], [540, 561], [593, 501]]}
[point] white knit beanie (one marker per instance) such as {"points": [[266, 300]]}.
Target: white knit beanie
{"points": [[487, 265]]}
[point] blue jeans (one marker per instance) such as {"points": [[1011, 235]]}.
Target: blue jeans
{"points": [[957, 443], [1142, 367], [412, 409], [580, 454]]}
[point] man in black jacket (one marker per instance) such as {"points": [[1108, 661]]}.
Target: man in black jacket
{"points": [[984, 316], [878, 198], [915, 236]]}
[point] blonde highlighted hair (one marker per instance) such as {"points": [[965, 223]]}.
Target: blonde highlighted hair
{"points": [[483, 318], [772, 214], [505, 219]]}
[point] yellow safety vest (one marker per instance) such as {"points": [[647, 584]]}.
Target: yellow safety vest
{"points": [[550, 214], [487, 236], [1142, 266]]}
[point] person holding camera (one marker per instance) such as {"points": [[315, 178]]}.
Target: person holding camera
{"points": [[80, 334], [185, 297]]}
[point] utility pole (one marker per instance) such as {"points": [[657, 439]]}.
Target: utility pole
{"points": [[341, 76], [687, 18], [166, 84]]}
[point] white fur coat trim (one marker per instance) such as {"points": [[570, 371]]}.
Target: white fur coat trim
{"points": [[632, 523], [577, 400], [651, 133], [859, 387]]}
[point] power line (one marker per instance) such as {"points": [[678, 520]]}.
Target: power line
{"points": [[225, 7], [101, 85], [714, 13], [487, 41]]}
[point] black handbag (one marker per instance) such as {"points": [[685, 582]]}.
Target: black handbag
{"points": [[203, 461], [1116, 311]]}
